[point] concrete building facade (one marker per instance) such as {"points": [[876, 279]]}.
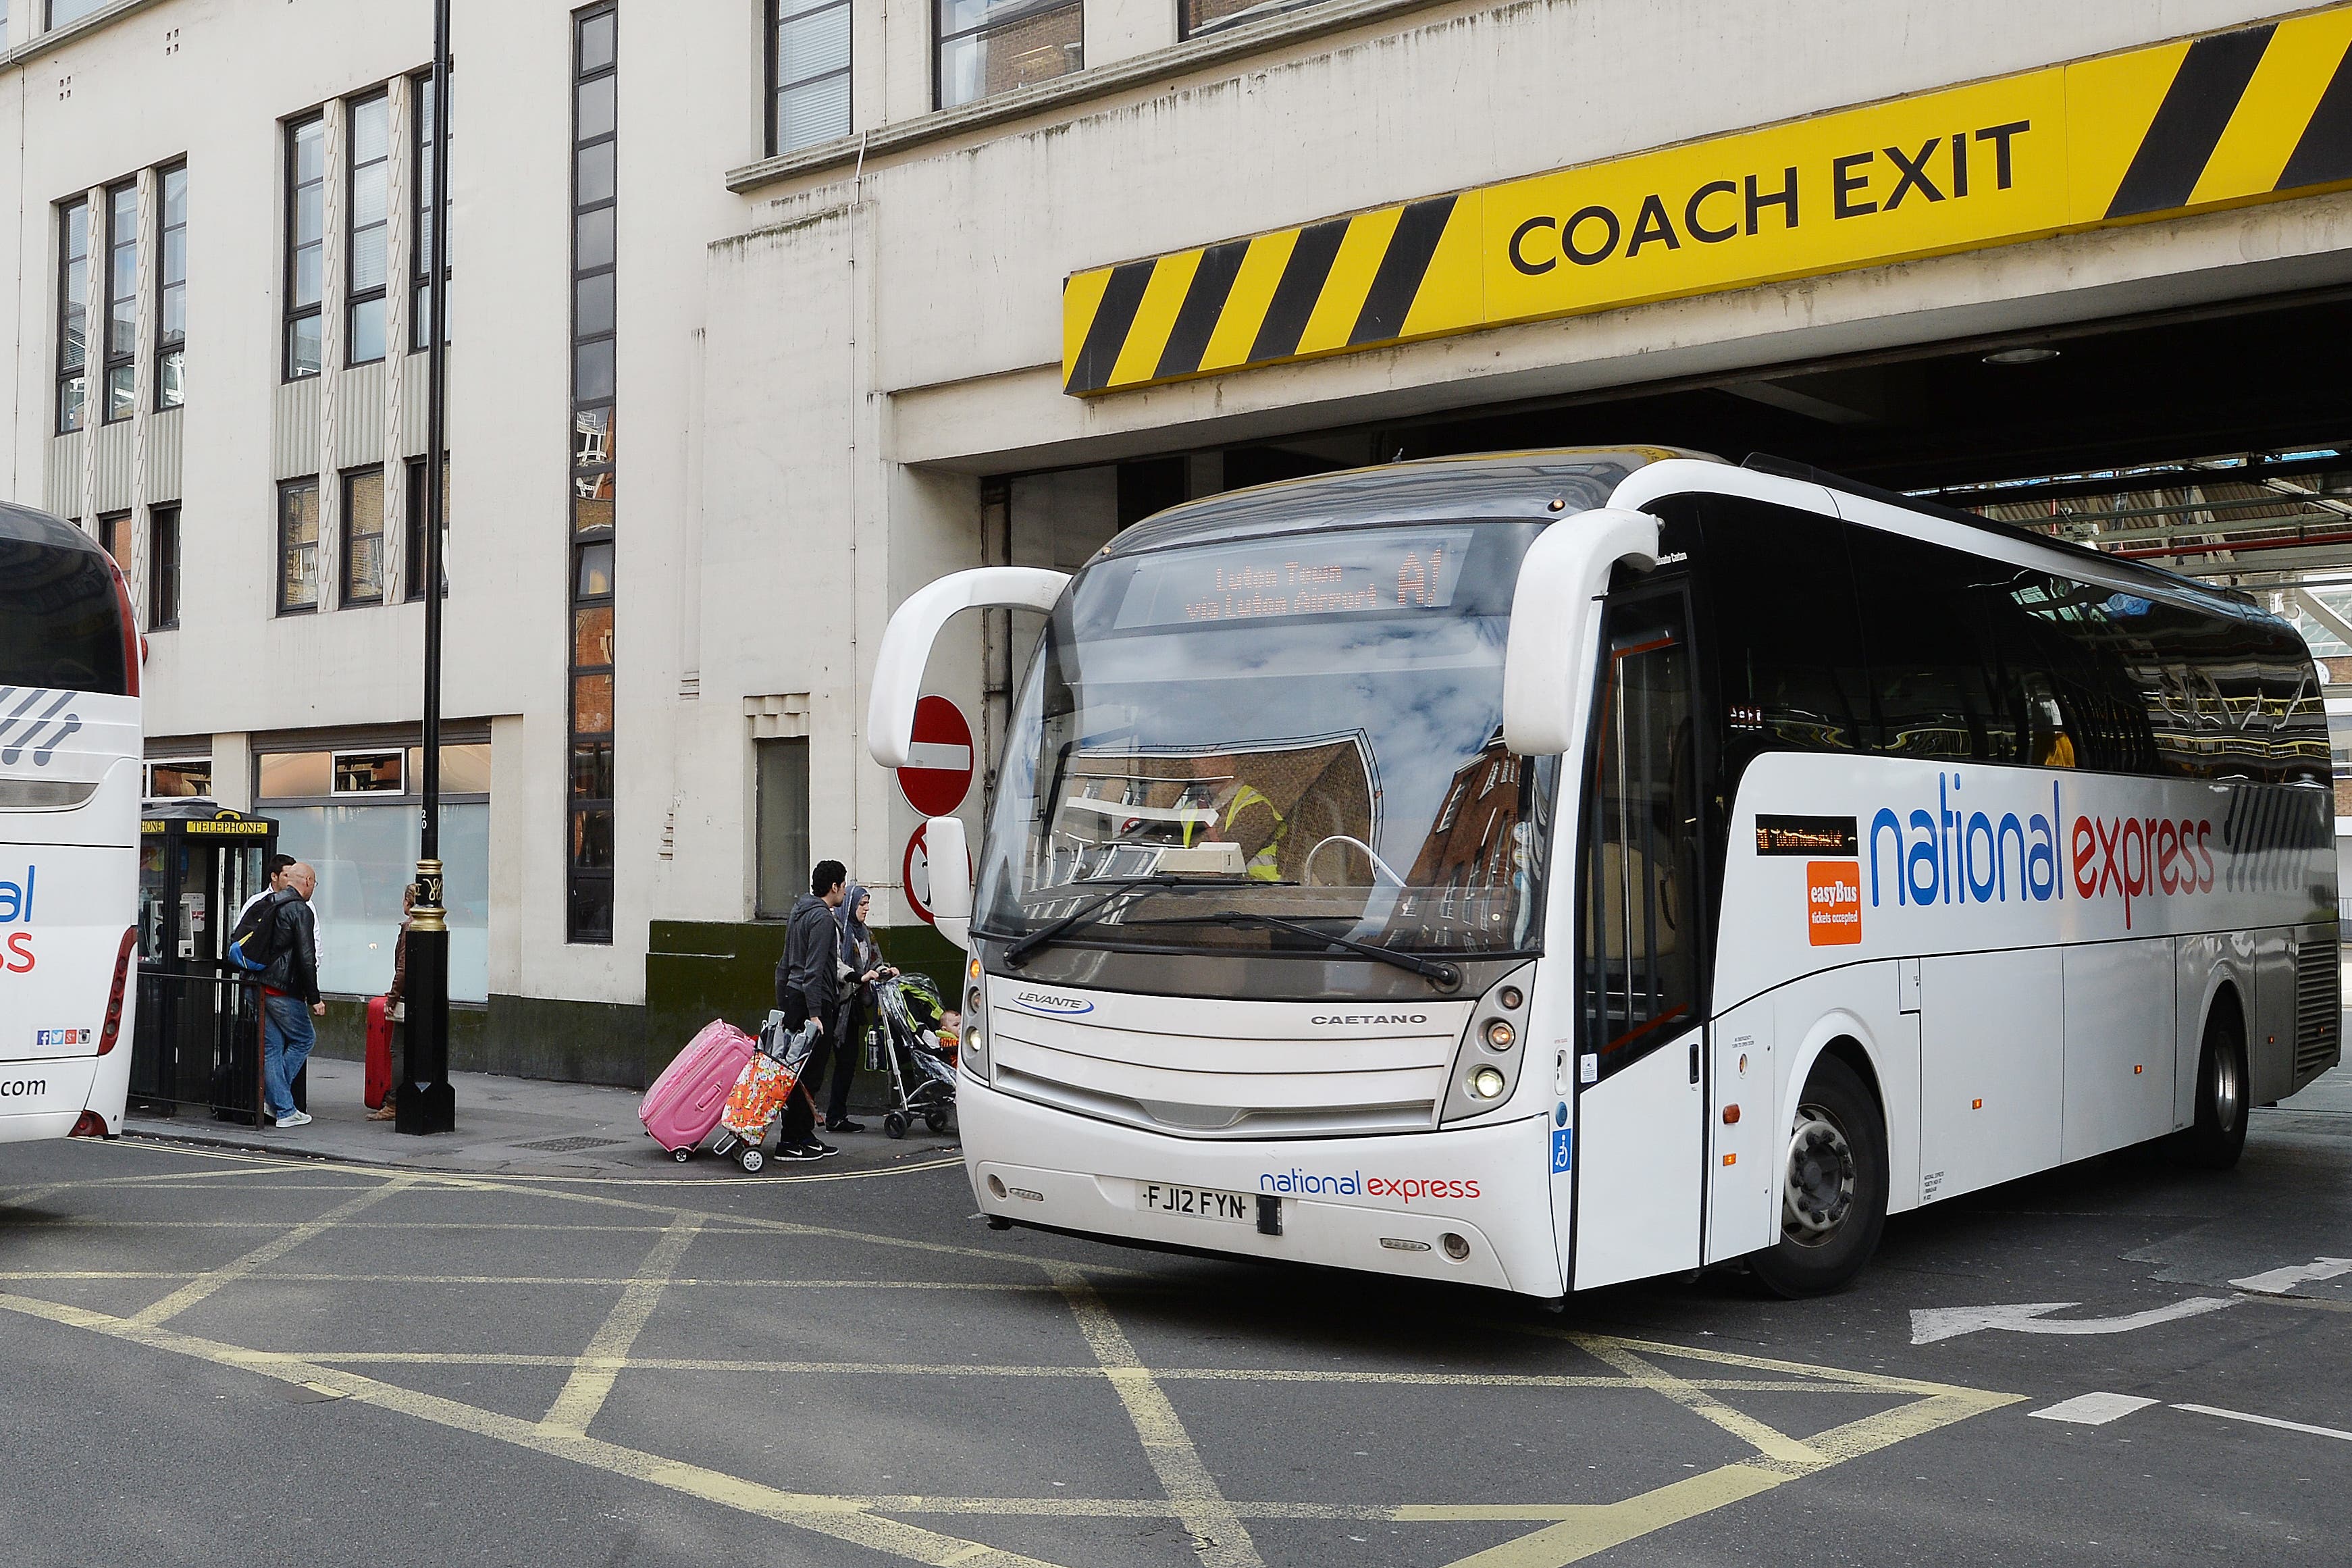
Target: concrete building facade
{"points": [[763, 314]]}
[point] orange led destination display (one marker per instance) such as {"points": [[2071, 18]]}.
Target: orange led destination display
{"points": [[1385, 571]]}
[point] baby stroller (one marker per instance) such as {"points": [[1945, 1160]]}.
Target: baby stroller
{"points": [[768, 1081], [918, 1047]]}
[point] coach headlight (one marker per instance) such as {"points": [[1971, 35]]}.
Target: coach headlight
{"points": [[973, 1048], [1486, 1062]]}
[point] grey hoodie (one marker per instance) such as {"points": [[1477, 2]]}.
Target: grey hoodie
{"points": [[811, 949]]}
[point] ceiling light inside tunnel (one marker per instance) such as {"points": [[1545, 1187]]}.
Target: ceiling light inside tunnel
{"points": [[2021, 356]]}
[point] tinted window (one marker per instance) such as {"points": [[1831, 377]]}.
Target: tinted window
{"points": [[59, 625], [1936, 682], [1780, 615]]}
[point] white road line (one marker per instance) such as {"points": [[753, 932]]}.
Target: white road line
{"points": [[2278, 1282], [2265, 1421], [2092, 1409], [1931, 1324]]}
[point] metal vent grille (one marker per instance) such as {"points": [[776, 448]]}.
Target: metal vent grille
{"points": [[2318, 1006]]}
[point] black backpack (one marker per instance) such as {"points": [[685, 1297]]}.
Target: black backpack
{"points": [[253, 945]]}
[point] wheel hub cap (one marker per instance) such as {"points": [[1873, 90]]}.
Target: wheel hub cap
{"points": [[1820, 1190]]}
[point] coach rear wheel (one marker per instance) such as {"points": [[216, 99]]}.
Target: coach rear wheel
{"points": [[1833, 1201], [2219, 1136]]}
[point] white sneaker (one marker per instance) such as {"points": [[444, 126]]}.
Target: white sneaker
{"points": [[299, 1119]]}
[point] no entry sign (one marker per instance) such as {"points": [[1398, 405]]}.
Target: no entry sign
{"points": [[938, 774], [915, 873]]}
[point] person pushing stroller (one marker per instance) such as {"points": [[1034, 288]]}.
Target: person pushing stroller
{"points": [[860, 968]]}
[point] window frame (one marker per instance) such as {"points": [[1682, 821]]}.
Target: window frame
{"points": [[420, 213], [795, 880], [350, 478], [354, 296], [412, 588], [940, 39], [122, 359], [66, 375], [167, 343], [162, 567], [777, 15], [294, 314], [286, 487], [583, 877]]}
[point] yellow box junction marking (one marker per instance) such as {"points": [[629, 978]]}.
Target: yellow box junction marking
{"points": [[2256, 114], [1564, 1532]]}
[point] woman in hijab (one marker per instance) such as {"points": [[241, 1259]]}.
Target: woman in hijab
{"points": [[861, 967]]}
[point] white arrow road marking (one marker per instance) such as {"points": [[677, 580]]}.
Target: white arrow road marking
{"points": [[2279, 1281], [1931, 1324], [2265, 1421], [940, 755], [2092, 1409]]}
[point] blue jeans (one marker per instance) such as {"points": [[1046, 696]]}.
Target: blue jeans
{"points": [[286, 1039]]}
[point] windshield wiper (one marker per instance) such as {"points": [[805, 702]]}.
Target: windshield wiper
{"points": [[1019, 951], [1446, 976]]}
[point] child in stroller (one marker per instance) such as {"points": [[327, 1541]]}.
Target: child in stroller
{"points": [[919, 1049]]}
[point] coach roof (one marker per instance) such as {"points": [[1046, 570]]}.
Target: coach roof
{"points": [[23, 524]]}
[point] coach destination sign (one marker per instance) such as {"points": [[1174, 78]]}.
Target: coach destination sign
{"points": [[2227, 119]]}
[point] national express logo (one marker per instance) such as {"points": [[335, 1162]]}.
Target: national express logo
{"points": [[34, 719], [1953, 855], [17, 908]]}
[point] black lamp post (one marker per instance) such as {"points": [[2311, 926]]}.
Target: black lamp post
{"points": [[427, 1102]]}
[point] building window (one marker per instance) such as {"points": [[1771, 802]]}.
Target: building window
{"points": [[122, 300], [413, 556], [589, 819], [170, 287], [298, 546], [808, 72], [73, 313], [1195, 19], [306, 242], [368, 227], [163, 568], [114, 532], [180, 777], [420, 312], [349, 806], [782, 780], [364, 536], [64, 11], [988, 46]]}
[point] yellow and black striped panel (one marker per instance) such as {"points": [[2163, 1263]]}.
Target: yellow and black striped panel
{"points": [[2255, 114]]}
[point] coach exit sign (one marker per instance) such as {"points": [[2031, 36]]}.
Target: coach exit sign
{"points": [[2227, 120]]}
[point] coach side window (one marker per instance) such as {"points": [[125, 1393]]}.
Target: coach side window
{"points": [[2300, 749], [1787, 647], [2063, 630], [1926, 632]]}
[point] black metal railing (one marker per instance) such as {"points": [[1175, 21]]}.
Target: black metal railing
{"points": [[198, 1046]]}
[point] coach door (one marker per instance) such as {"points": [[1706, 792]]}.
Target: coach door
{"points": [[1641, 1100]]}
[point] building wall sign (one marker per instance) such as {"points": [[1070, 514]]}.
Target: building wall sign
{"points": [[2231, 119]]}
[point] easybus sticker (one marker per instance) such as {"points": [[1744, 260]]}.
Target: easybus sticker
{"points": [[1832, 902]]}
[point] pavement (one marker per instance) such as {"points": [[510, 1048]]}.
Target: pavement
{"points": [[508, 1126], [212, 1354]]}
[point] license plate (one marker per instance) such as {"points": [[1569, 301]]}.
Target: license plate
{"points": [[1197, 1203]]}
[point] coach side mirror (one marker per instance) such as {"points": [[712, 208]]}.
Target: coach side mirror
{"points": [[915, 626], [951, 863], [1555, 642]]}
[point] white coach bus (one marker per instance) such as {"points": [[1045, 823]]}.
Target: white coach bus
{"points": [[1558, 868], [70, 787]]}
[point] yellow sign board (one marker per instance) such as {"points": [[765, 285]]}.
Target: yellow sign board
{"points": [[2257, 114]]}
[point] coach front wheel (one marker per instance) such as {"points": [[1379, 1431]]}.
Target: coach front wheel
{"points": [[1834, 1202]]}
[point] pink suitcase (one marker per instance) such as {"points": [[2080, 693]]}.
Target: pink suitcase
{"points": [[685, 1102]]}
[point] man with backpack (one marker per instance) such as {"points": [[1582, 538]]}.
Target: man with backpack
{"points": [[277, 936]]}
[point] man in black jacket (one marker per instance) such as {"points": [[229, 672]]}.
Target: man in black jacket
{"points": [[808, 985], [290, 995]]}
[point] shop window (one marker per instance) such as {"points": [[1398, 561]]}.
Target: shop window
{"points": [[988, 46], [371, 772], [180, 778]]}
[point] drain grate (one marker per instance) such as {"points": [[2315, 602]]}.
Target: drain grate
{"points": [[569, 1145]]}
